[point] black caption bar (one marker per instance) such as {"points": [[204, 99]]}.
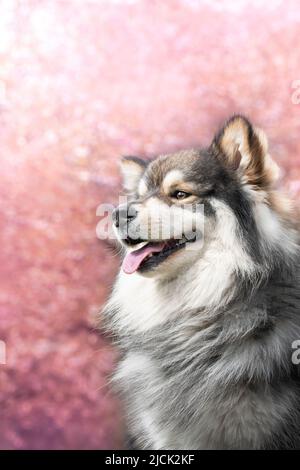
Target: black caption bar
{"points": [[141, 459]]}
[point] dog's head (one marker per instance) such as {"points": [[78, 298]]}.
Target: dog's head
{"points": [[181, 204]]}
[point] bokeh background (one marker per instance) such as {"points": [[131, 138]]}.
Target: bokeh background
{"points": [[81, 83]]}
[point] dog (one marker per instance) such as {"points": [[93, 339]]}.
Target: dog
{"points": [[205, 318]]}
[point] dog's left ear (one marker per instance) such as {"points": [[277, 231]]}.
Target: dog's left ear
{"points": [[132, 169], [244, 149]]}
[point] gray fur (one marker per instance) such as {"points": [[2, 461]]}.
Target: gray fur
{"points": [[216, 376]]}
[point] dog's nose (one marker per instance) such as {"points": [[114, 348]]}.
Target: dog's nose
{"points": [[123, 215]]}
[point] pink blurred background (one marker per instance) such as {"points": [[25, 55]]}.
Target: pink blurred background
{"points": [[81, 83]]}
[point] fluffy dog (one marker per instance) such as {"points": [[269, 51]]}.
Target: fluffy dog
{"points": [[205, 309]]}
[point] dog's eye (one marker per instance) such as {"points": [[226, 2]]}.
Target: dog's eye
{"points": [[180, 195]]}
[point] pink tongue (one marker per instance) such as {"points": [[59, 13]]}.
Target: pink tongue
{"points": [[133, 260]]}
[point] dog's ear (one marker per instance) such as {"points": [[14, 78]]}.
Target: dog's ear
{"points": [[132, 169], [244, 149]]}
